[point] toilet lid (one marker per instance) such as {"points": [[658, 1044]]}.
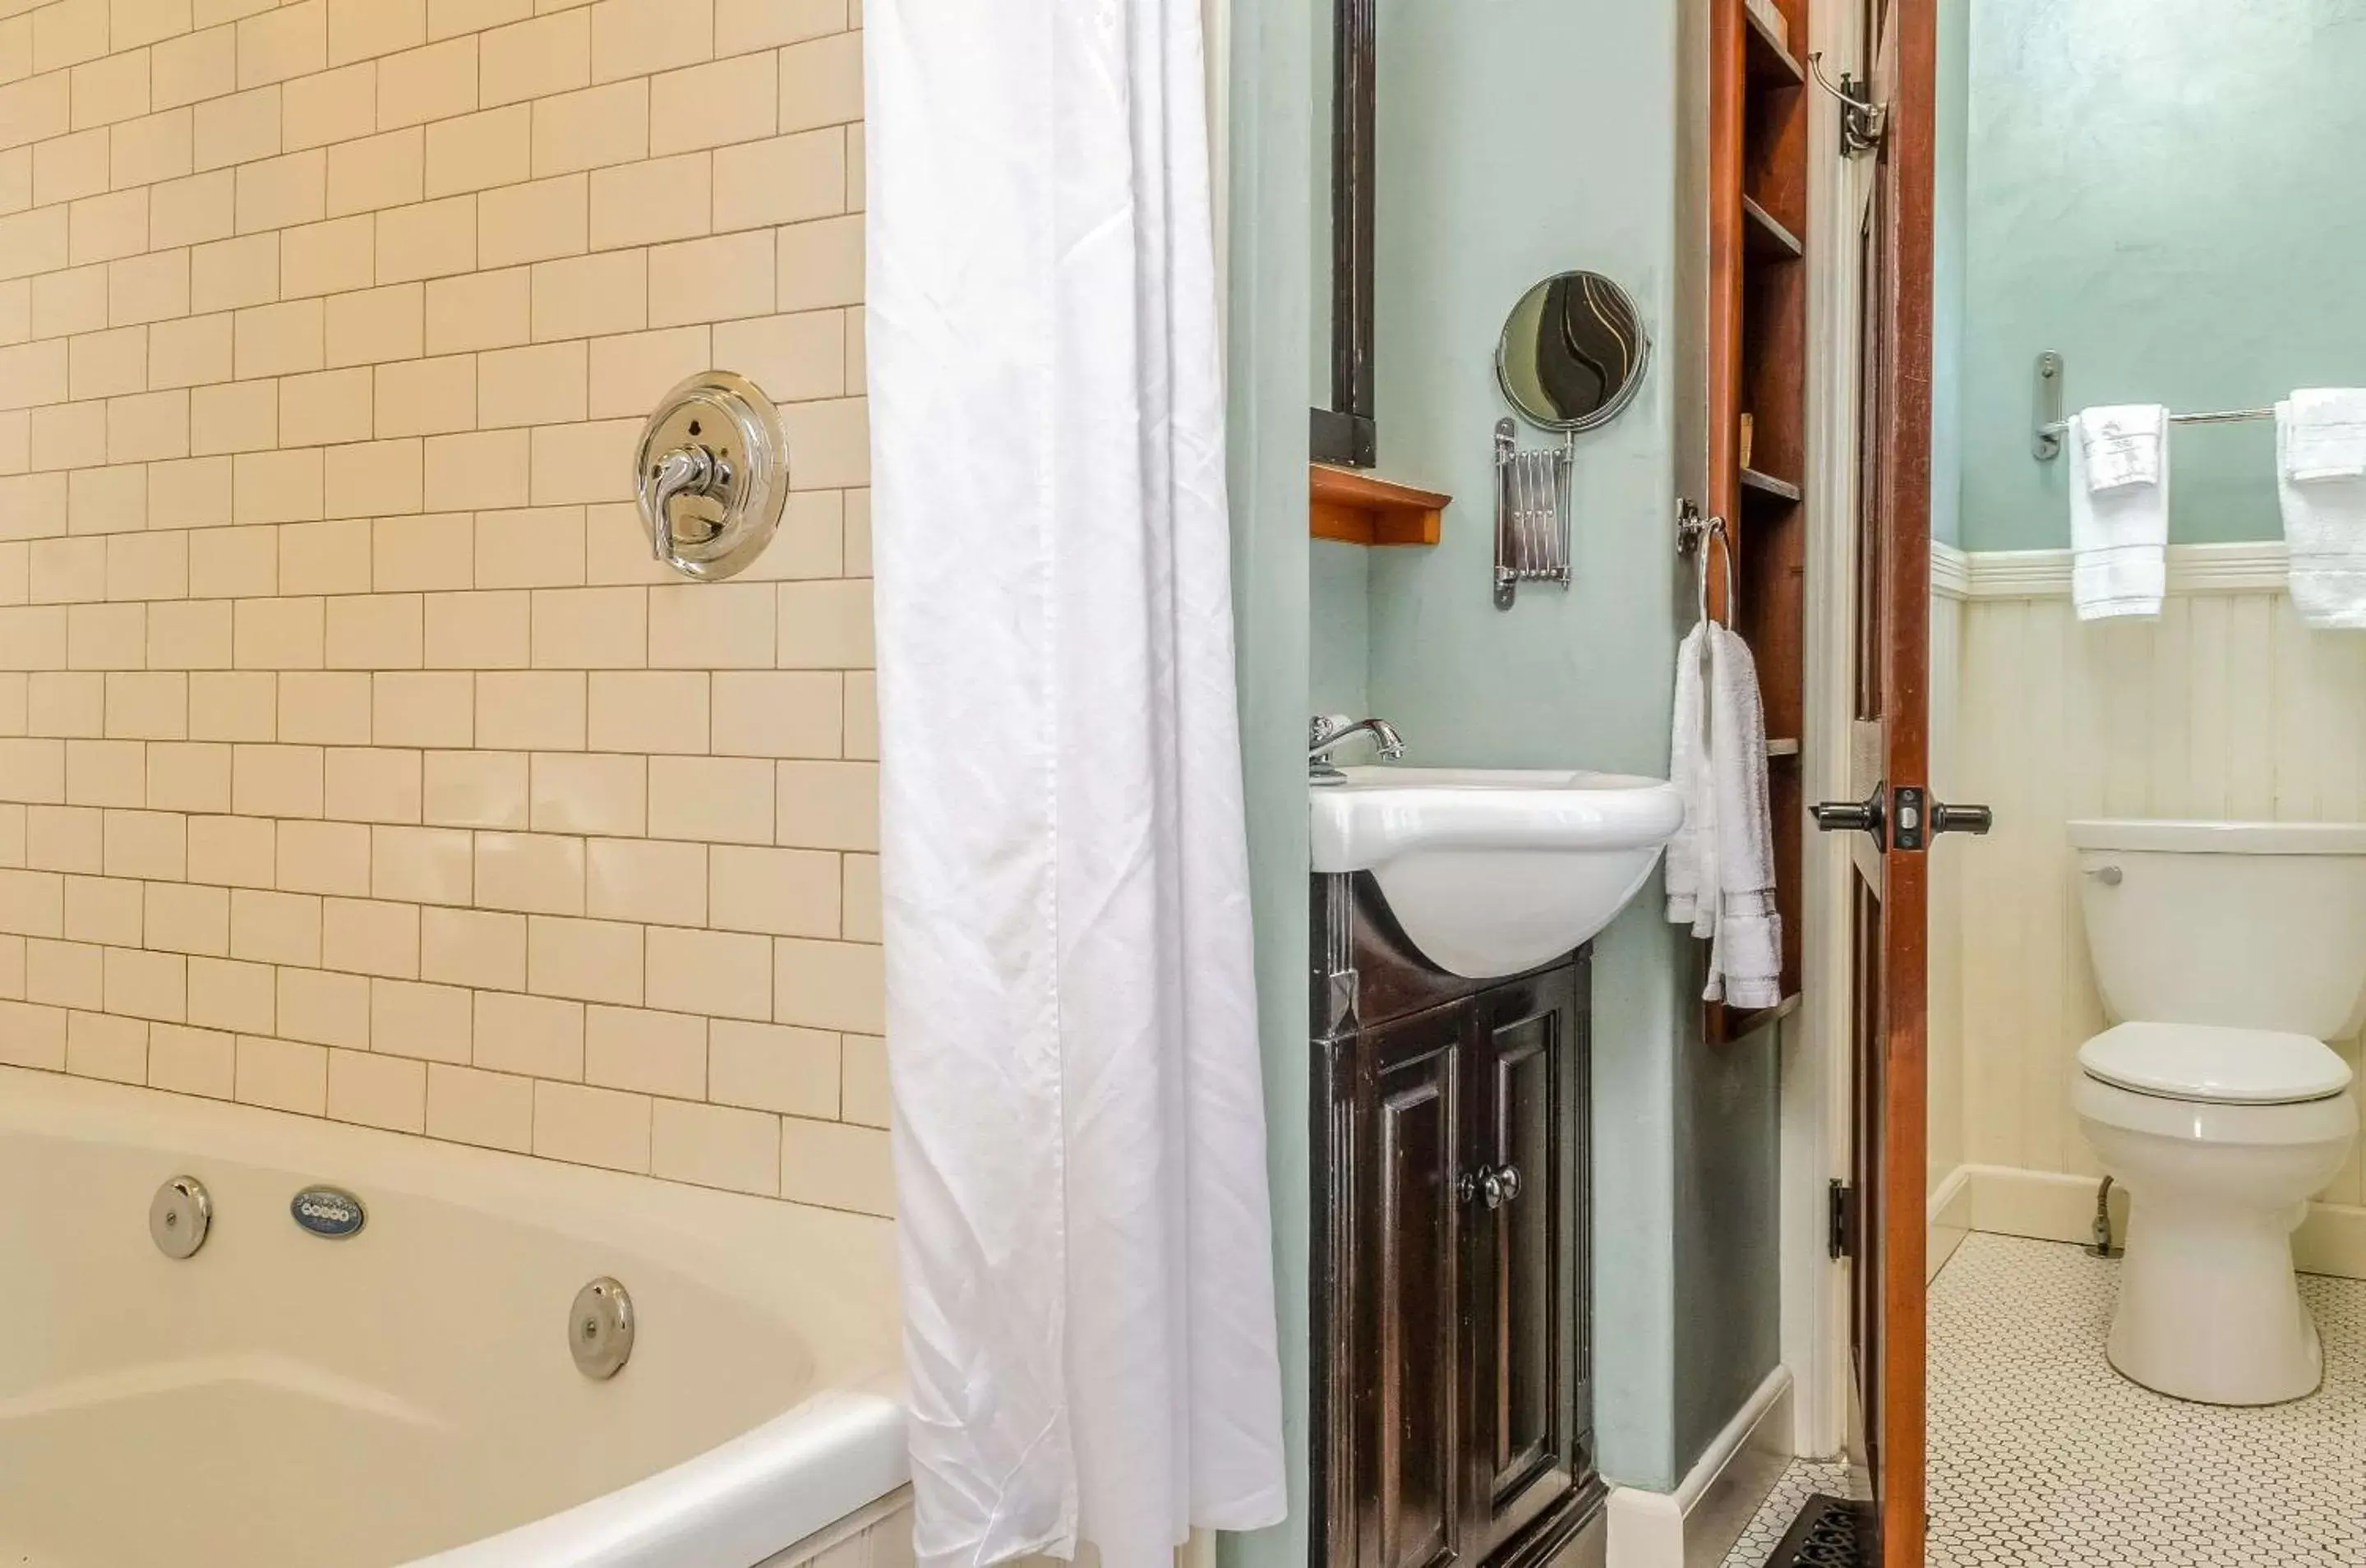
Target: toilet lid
{"points": [[2219, 1066]]}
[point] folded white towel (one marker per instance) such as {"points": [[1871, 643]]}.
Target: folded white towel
{"points": [[2124, 444], [2119, 539], [2324, 436], [1691, 885], [1746, 961], [2325, 534]]}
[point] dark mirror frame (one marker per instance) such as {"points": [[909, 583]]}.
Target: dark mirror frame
{"points": [[1345, 433]]}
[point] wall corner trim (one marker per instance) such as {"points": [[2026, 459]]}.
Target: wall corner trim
{"points": [[1949, 1220], [1951, 571], [1698, 1523], [2248, 565]]}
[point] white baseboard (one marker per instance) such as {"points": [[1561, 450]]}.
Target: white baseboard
{"points": [[2052, 1206], [1950, 1220], [1698, 1523]]}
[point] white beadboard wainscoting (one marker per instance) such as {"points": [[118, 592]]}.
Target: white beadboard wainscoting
{"points": [[2226, 708]]}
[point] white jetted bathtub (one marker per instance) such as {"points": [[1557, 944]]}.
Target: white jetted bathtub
{"points": [[409, 1393]]}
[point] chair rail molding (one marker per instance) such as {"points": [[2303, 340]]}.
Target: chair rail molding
{"points": [[2248, 566]]}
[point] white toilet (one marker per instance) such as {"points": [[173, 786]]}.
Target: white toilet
{"points": [[2232, 951]]}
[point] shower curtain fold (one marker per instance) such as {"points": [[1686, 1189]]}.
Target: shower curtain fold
{"points": [[1078, 1115]]}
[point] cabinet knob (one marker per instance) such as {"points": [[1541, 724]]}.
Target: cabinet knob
{"points": [[1498, 1185]]}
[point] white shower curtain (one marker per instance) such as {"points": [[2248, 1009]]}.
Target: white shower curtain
{"points": [[1079, 1122]]}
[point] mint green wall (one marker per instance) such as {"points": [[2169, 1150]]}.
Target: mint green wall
{"points": [[1518, 138], [2165, 191], [1341, 675], [1952, 145], [1270, 197]]}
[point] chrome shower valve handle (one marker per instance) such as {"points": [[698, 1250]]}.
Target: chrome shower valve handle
{"points": [[684, 471], [712, 474]]}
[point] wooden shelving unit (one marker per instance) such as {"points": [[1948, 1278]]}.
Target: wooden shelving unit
{"points": [[1758, 330], [1355, 508]]}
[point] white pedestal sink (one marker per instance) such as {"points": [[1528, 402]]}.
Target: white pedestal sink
{"points": [[1496, 872]]}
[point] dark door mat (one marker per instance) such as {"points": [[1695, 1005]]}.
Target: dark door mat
{"points": [[1831, 1533]]}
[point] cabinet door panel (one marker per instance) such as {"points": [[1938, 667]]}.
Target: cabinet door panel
{"points": [[1412, 1498], [1527, 1346]]}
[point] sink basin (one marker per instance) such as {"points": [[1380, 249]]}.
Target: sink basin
{"points": [[1493, 872]]}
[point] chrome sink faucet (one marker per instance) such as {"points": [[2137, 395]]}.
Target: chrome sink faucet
{"points": [[1326, 733]]}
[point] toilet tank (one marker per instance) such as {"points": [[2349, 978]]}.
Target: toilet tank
{"points": [[2258, 925]]}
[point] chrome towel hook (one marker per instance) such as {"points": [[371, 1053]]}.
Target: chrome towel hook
{"points": [[1701, 537], [1863, 122]]}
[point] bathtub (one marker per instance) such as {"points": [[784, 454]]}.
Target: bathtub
{"points": [[407, 1395]]}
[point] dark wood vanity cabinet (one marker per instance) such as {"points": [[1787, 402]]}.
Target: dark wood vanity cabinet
{"points": [[1454, 1405]]}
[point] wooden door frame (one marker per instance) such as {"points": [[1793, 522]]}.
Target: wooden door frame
{"points": [[1903, 1211], [1815, 1107]]}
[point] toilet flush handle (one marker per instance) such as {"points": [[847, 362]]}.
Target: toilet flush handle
{"points": [[2109, 875]]}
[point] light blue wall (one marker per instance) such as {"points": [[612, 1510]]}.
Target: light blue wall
{"points": [[1270, 198], [1342, 675], [1518, 138], [2167, 192], [1951, 245]]}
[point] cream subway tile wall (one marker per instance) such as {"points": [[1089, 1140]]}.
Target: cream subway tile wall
{"points": [[356, 760]]}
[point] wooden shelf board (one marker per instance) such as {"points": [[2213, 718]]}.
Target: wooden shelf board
{"points": [[1767, 484], [1739, 1021], [1766, 236], [1357, 508], [1769, 63]]}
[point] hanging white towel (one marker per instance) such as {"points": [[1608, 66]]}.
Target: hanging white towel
{"points": [[2324, 434], [1692, 889], [1720, 865], [2324, 512], [2124, 444], [1090, 1326], [1746, 962], [2119, 534]]}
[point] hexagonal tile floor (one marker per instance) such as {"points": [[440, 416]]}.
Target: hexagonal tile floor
{"points": [[2042, 1455]]}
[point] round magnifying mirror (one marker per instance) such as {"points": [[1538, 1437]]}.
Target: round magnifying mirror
{"points": [[1573, 352]]}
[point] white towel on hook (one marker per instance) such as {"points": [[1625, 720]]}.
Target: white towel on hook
{"points": [[1720, 865], [2119, 536], [2325, 519], [1691, 885], [1746, 958]]}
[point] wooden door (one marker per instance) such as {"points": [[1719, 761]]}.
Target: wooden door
{"points": [[1891, 811], [1411, 1487], [1527, 1299]]}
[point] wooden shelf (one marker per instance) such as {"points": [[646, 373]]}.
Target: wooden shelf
{"points": [[1355, 508], [1759, 121], [1766, 237], [1741, 1023], [1769, 61], [1767, 484]]}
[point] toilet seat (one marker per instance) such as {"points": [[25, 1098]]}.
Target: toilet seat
{"points": [[2212, 1066]]}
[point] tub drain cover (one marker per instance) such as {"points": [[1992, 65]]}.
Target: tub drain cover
{"points": [[178, 1216], [599, 1329]]}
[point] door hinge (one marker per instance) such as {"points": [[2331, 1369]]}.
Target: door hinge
{"points": [[1841, 1219]]}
